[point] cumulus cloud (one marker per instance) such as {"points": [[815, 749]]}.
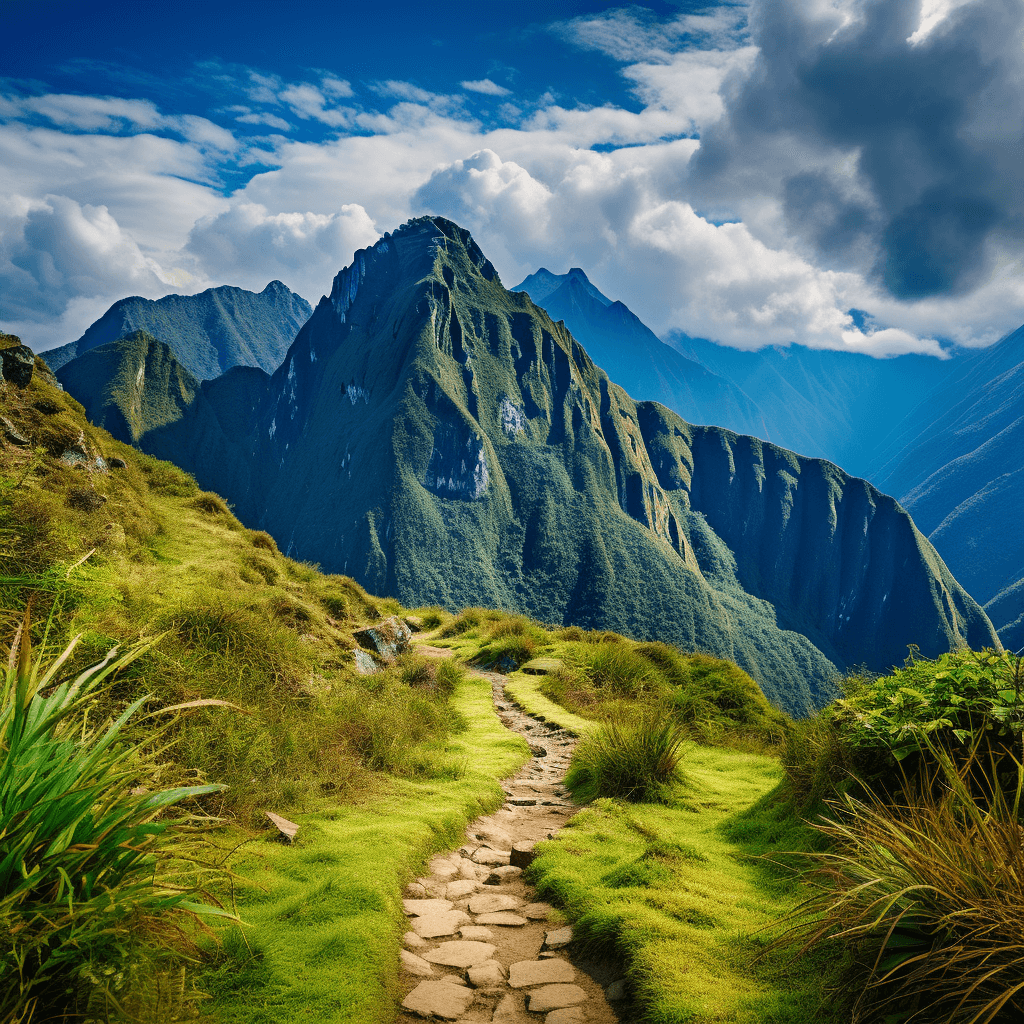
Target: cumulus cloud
{"points": [[887, 134], [249, 246], [487, 87]]}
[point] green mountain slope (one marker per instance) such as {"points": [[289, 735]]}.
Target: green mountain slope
{"points": [[442, 440], [209, 332]]}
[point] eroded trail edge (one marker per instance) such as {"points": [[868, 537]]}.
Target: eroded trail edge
{"points": [[480, 945]]}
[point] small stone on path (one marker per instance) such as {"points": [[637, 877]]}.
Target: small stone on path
{"points": [[558, 938], [567, 1015], [537, 911], [554, 997], [540, 972], [485, 855], [413, 941], [420, 907], [439, 999], [505, 918], [616, 991], [489, 974], [463, 887], [475, 933], [434, 926], [416, 964], [460, 953], [491, 903]]}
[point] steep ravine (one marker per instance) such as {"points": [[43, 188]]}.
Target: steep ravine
{"points": [[480, 945]]}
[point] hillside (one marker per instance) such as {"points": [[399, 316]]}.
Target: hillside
{"points": [[443, 441], [210, 332], [957, 460]]}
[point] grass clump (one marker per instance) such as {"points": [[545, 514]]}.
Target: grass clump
{"points": [[640, 761], [80, 907], [927, 889]]}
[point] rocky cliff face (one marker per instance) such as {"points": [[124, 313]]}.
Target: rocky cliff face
{"points": [[443, 440]]}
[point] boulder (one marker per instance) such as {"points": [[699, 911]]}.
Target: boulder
{"points": [[365, 665], [388, 638], [16, 365]]}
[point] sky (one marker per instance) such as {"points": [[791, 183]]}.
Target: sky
{"points": [[842, 174]]}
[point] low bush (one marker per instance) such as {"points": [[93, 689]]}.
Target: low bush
{"points": [[928, 889], [639, 761], [83, 896]]}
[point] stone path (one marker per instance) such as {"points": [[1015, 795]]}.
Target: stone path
{"points": [[480, 947]]}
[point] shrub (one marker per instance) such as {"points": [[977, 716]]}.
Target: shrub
{"points": [[639, 761], [78, 847], [929, 891], [618, 668]]}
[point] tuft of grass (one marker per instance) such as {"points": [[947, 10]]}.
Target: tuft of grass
{"points": [[79, 903], [928, 890], [638, 761]]}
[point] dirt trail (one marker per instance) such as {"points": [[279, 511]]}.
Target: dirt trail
{"points": [[480, 946]]}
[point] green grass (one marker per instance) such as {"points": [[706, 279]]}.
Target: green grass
{"points": [[677, 895], [323, 917]]}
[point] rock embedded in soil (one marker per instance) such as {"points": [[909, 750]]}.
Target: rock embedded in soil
{"points": [[537, 911], [554, 997], [492, 903], [460, 953], [616, 991], [485, 855], [439, 999], [540, 972], [463, 887], [567, 1015], [434, 926], [416, 964], [413, 941], [505, 918], [420, 907], [558, 938], [489, 974], [522, 855]]}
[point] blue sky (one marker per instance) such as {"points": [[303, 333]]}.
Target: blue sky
{"points": [[748, 172]]}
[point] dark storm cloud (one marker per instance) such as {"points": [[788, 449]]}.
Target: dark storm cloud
{"points": [[894, 154]]}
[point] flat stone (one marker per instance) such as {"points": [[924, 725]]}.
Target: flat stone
{"points": [[496, 836], [522, 855], [507, 1009], [415, 891], [537, 911], [540, 972], [485, 855], [522, 801], [567, 1015], [489, 974], [475, 932], [460, 953], [616, 991], [463, 887], [444, 870], [436, 926], [491, 903], [554, 997], [504, 918], [416, 908], [413, 941], [438, 999], [558, 939], [416, 964], [503, 874], [470, 871]]}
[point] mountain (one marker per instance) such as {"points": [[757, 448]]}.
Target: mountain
{"points": [[838, 406], [209, 332], [443, 440], [635, 358], [957, 460]]}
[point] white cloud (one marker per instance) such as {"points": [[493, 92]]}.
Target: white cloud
{"points": [[249, 246], [306, 101], [487, 87], [336, 87]]}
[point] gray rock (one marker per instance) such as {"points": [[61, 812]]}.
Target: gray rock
{"points": [[537, 911], [492, 903], [616, 991], [11, 434], [498, 838], [388, 638], [489, 974], [540, 972], [16, 365], [460, 953], [537, 750], [116, 463], [554, 997], [365, 665], [416, 964], [438, 999], [558, 939], [522, 855]]}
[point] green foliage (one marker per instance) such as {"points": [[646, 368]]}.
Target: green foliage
{"points": [[927, 888], [78, 845], [638, 761]]}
